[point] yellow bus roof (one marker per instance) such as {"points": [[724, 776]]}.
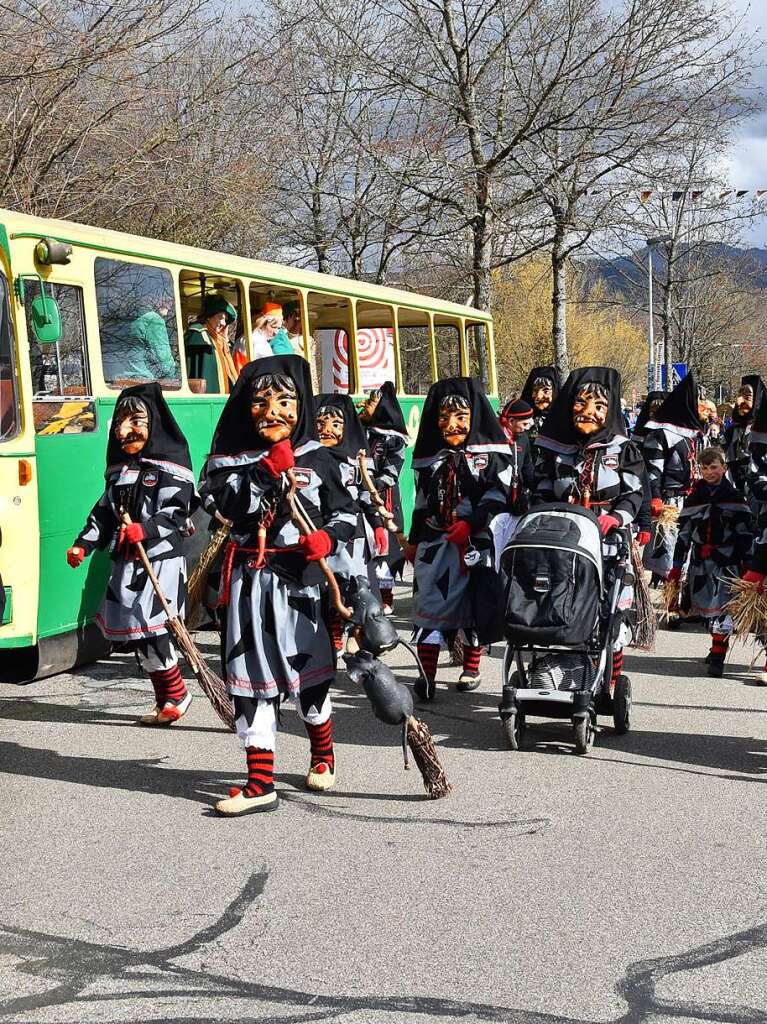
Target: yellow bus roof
{"points": [[21, 225]]}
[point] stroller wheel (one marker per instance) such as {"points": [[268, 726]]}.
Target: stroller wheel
{"points": [[583, 730], [513, 730], [622, 705]]}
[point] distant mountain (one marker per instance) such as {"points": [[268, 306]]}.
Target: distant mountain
{"points": [[623, 274]]}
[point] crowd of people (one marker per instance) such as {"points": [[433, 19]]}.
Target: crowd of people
{"points": [[308, 485]]}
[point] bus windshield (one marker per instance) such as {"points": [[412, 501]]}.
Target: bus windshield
{"points": [[9, 404]]}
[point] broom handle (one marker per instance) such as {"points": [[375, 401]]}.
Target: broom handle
{"points": [[370, 487], [126, 520], [307, 529]]}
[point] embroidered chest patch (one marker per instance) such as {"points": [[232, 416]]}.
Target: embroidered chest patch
{"points": [[611, 462], [303, 477], [149, 479], [480, 461]]}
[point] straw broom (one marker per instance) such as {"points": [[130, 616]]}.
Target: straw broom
{"points": [[670, 598], [646, 619], [211, 685], [748, 608], [195, 589], [424, 751]]}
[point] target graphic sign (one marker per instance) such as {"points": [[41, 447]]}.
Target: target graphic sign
{"points": [[375, 348]]}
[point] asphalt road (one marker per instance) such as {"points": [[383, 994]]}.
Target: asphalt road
{"points": [[628, 885]]}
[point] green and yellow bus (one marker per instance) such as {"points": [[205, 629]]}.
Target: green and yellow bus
{"points": [[70, 296]]}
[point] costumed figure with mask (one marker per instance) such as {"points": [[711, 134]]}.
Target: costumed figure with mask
{"points": [[671, 444], [584, 457], [516, 419], [540, 390], [737, 435], [387, 436], [757, 486], [277, 644], [148, 476], [462, 467], [715, 535], [649, 407], [341, 433]]}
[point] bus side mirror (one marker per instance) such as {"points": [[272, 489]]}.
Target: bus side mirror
{"points": [[49, 251], [44, 314], [46, 319]]}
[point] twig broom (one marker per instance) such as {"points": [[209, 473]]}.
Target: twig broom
{"points": [[211, 685]]}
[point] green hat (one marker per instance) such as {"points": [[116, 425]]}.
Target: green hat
{"points": [[215, 303]]}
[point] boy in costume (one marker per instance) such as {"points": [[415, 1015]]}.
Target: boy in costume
{"points": [[672, 441], [340, 431], [462, 466], [584, 457], [715, 534], [149, 476], [540, 390], [387, 436], [277, 644], [736, 437]]}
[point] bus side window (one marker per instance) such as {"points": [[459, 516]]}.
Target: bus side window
{"points": [[61, 385], [137, 324], [9, 405]]}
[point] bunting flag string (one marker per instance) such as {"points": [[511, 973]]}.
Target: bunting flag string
{"points": [[677, 195]]}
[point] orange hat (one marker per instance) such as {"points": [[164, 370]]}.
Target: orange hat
{"points": [[271, 307]]}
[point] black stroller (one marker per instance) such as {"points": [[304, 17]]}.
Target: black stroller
{"points": [[562, 608]]}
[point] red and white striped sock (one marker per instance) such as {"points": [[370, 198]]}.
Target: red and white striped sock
{"points": [[321, 743], [260, 772], [429, 655], [471, 656]]}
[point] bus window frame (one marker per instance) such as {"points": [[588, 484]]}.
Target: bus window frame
{"points": [[391, 311], [65, 282], [21, 420], [142, 261], [350, 330], [432, 350], [469, 322]]}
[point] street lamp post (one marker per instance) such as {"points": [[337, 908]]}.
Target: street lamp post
{"points": [[653, 382]]}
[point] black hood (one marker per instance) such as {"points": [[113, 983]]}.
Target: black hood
{"points": [[485, 429], [680, 408], [166, 442], [235, 433], [355, 438], [644, 412], [558, 427], [388, 415], [757, 384], [549, 373]]}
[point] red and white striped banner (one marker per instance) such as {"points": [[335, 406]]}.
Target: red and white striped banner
{"points": [[375, 349]]}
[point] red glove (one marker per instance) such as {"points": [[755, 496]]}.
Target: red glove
{"points": [[643, 537], [674, 574], [280, 458], [382, 540], [411, 550], [706, 550], [133, 533], [755, 577], [459, 532], [75, 556], [317, 545], [656, 507], [607, 523]]}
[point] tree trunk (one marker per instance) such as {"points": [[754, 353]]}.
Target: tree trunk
{"points": [[481, 243], [559, 301]]}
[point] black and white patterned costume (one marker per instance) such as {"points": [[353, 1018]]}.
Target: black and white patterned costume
{"points": [[277, 642], [350, 561], [468, 483], [602, 471], [387, 440], [672, 442], [737, 436], [156, 489], [715, 534]]}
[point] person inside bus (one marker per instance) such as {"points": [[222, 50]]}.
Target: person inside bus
{"points": [[208, 353], [142, 350], [267, 337], [291, 314]]}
